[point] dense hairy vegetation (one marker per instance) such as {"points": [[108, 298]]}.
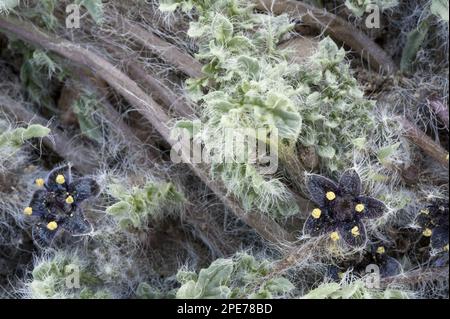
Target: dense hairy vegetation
{"points": [[92, 204]]}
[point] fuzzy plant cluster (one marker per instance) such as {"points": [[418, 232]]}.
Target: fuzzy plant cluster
{"points": [[356, 289], [136, 206], [7, 5], [249, 82], [240, 277], [63, 276], [247, 85]]}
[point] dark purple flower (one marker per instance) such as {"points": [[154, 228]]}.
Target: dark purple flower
{"points": [[340, 208], [57, 204], [435, 223]]}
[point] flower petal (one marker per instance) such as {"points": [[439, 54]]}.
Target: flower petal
{"points": [[318, 226], [352, 238], [53, 184], [390, 267], [439, 238], [38, 203], [318, 186], [350, 183], [373, 208], [77, 224], [83, 188]]}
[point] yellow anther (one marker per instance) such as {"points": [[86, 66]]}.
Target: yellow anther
{"points": [[69, 199], [359, 208], [316, 213], [334, 236], [381, 250], [446, 247], [425, 211], [40, 182], [355, 231], [28, 211], [427, 232], [446, 157], [341, 275], [60, 179], [330, 195], [52, 226]]}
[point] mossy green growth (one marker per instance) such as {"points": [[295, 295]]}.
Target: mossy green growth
{"points": [[240, 277], [63, 277], [136, 206], [354, 290]]}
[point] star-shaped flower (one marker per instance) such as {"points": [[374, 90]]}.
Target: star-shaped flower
{"points": [[340, 208], [435, 223], [57, 204]]}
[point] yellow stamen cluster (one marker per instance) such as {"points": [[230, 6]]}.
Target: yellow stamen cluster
{"points": [[330, 195], [52, 225], [334, 236], [425, 211], [381, 250], [446, 247], [69, 199], [355, 231], [40, 182], [28, 211], [359, 208], [316, 213], [60, 179], [427, 232]]}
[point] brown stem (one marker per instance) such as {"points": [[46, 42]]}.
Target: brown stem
{"points": [[336, 27], [145, 105], [416, 136]]}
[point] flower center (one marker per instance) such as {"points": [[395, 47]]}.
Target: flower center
{"points": [[343, 208]]}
